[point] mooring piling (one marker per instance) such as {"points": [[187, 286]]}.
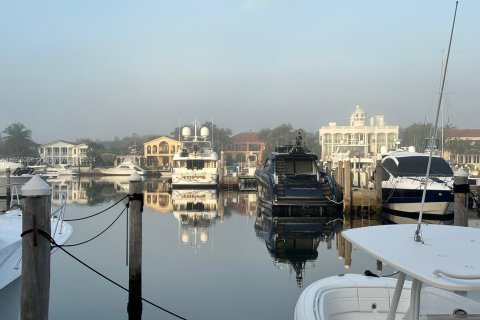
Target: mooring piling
{"points": [[35, 250], [134, 307]]}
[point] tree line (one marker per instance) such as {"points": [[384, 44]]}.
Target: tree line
{"points": [[16, 141]]}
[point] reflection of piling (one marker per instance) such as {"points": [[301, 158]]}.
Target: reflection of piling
{"points": [[347, 189], [7, 182], [461, 190], [378, 189], [348, 255], [135, 247], [35, 250]]}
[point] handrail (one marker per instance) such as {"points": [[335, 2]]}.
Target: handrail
{"points": [[457, 276]]}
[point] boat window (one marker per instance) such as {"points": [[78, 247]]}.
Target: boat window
{"points": [[195, 164], [300, 166], [417, 166]]}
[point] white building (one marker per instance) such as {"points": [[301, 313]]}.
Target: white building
{"points": [[63, 152], [357, 139]]}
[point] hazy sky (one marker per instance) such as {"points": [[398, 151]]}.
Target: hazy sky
{"points": [[100, 69]]}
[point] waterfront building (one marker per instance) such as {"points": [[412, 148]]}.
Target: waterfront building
{"points": [[159, 152], [462, 147], [63, 152], [359, 139], [243, 145]]}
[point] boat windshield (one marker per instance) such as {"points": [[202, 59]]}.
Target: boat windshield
{"points": [[300, 166], [417, 166]]}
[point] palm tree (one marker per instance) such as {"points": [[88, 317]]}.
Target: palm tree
{"points": [[17, 142]]}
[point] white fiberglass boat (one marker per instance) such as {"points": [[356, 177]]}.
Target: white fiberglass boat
{"points": [[444, 267], [124, 169], [195, 165], [11, 241], [403, 181]]}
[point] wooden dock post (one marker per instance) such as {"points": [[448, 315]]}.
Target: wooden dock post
{"points": [[348, 255], [340, 173], [8, 189], [329, 167], [134, 307], [34, 300], [221, 168], [460, 190], [378, 189], [347, 189]]}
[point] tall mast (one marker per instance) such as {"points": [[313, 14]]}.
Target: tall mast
{"points": [[418, 236]]}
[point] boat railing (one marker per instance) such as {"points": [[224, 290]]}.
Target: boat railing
{"points": [[14, 193], [58, 214]]}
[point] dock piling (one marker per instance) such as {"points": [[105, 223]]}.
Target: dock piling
{"points": [[135, 247], [34, 299], [460, 190], [378, 189]]}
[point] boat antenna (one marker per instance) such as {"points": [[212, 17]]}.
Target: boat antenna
{"points": [[418, 237]]}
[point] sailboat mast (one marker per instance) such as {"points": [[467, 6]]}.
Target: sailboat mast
{"points": [[418, 237]]}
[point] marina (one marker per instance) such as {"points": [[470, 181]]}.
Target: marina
{"points": [[192, 238]]}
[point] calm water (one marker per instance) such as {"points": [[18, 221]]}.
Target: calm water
{"points": [[218, 267]]}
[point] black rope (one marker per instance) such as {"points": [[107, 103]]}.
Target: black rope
{"points": [[96, 214], [98, 235], [46, 235]]}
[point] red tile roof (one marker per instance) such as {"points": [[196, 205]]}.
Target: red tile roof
{"points": [[246, 137], [463, 133]]}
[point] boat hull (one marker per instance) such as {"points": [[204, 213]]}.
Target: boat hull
{"points": [[350, 296], [403, 205], [194, 180], [11, 244]]}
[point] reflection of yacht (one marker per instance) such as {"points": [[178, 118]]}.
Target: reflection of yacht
{"points": [[120, 183], [291, 184], [403, 181], [294, 242], [196, 211], [195, 164], [124, 169]]}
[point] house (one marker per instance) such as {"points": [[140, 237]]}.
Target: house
{"points": [[63, 152], [159, 152], [462, 146], [358, 139], [244, 144]]}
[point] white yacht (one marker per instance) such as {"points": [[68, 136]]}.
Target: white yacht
{"points": [[195, 164], [403, 181], [124, 169], [445, 285]]}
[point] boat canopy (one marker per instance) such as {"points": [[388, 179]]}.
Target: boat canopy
{"points": [[417, 166]]}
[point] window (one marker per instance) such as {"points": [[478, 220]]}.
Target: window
{"points": [[154, 150], [149, 149]]}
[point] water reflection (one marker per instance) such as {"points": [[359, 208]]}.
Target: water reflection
{"points": [[157, 196], [294, 242], [82, 190], [196, 212]]}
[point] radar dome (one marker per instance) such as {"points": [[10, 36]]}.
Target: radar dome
{"points": [[186, 132], [204, 132]]}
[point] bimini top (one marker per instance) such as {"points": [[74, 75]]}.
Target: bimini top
{"points": [[413, 164], [447, 258]]}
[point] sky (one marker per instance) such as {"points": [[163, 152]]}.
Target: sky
{"points": [[110, 68]]}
